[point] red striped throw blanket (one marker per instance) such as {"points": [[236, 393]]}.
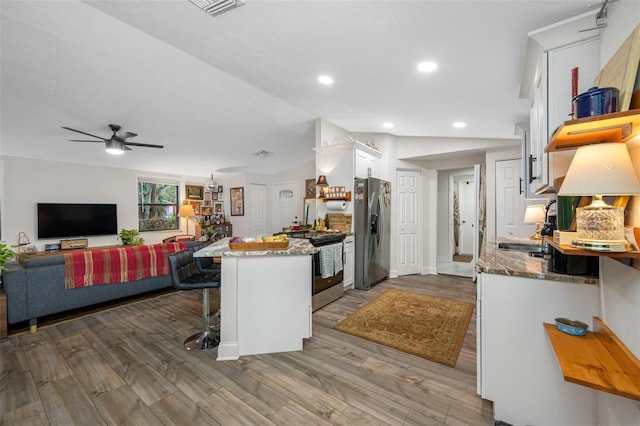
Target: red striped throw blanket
{"points": [[118, 265]]}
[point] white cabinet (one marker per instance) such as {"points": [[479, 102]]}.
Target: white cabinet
{"points": [[343, 162], [367, 165], [552, 52], [517, 366], [349, 261]]}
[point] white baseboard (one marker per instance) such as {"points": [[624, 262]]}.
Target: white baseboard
{"points": [[393, 273], [429, 270]]}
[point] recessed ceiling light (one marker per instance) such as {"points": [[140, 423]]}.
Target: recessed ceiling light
{"points": [[325, 79], [388, 125], [459, 124], [427, 66]]}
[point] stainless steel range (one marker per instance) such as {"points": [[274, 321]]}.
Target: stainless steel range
{"points": [[327, 267]]}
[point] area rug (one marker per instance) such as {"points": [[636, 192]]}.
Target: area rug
{"points": [[429, 327]]}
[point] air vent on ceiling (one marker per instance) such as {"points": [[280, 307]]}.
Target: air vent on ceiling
{"points": [[262, 153], [214, 7]]}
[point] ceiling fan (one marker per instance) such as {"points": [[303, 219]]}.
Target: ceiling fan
{"points": [[117, 144]]}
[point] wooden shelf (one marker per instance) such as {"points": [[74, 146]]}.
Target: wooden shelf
{"points": [[615, 127], [572, 251], [347, 198], [598, 360]]}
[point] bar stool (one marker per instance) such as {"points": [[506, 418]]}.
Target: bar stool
{"points": [[185, 276]]}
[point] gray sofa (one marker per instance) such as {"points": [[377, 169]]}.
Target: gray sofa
{"points": [[36, 288]]}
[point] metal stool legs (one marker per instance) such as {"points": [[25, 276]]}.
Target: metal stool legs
{"points": [[207, 338]]}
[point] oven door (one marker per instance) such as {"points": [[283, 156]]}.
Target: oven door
{"points": [[320, 284]]}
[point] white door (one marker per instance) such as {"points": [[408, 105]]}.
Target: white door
{"points": [[408, 187], [509, 202], [466, 197], [258, 209], [286, 205]]}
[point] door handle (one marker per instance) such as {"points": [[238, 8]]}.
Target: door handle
{"points": [[531, 160], [521, 181]]}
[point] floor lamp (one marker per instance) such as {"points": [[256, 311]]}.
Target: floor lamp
{"points": [[186, 211]]}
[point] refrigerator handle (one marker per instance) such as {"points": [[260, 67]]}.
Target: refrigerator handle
{"points": [[381, 218], [376, 219]]}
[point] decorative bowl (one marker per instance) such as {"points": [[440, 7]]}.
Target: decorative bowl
{"points": [[571, 326]]}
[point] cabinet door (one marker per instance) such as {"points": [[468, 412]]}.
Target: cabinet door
{"points": [[349, 260], [373, 167], [585, 56], [538, 135], [362, 164], [519, 370]]}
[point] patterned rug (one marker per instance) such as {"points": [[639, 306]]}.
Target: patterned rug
{"points": [[429, 327]]}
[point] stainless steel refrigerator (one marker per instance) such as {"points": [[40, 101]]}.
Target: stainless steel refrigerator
{"points": [[372, 215]]}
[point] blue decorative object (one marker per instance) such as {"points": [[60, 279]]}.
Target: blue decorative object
{"points": [[570, 326]]}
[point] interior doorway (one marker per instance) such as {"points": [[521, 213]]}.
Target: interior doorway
{"points": [[457, 221]]}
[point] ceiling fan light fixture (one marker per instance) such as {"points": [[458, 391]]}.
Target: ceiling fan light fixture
{"points": [[214, 7], [114, 147]]}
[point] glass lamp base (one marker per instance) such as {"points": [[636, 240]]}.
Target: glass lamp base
{"points": [[600, 222], [616, 246]]}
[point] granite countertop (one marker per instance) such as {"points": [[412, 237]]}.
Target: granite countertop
{"points": [[297, 247], [493, 260]]}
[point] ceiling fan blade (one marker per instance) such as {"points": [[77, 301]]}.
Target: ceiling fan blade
{"points": [[128, 135], [146, 145], [77, 140], [85, 133]]}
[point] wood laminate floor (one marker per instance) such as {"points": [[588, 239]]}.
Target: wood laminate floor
{"points": [[126, 365]]}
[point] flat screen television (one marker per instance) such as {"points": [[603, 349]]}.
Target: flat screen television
{"points": [[56, 220]]}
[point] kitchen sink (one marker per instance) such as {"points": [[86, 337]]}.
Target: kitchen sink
{"points": [[519, 247]]}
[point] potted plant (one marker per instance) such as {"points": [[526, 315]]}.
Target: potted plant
{"points": [[6, 255], [131, 237]]}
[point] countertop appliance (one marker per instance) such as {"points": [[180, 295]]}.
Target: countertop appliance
{"points": [[372, 226], [326, 287]]}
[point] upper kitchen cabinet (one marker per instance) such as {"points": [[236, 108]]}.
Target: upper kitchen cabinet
{"points": [[553, 52], [343, 162], [367, 163]]}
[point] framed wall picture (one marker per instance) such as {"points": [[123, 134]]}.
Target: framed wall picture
{"points": [[220, 189], [207, 196], [237, 201], [196, 206], [214, 196], [310, 188], [194, 192], [218, 207]]}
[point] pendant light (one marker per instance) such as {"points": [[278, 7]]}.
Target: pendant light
{"points": [[211, 184]]}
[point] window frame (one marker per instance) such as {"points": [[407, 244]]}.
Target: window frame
{"points": [[172, 223]]}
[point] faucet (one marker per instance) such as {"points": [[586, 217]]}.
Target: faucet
{"points": [[547, 229]]}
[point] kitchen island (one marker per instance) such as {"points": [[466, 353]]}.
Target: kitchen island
{"points": [[265, 298], [517, 366]]}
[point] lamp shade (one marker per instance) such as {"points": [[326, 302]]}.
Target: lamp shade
{"points": [[186, 210], [535, 214], [603, 169], [322, 181]]}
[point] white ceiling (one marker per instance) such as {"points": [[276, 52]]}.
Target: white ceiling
{"points": [[215, 90]]}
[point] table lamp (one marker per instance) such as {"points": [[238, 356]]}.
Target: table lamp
{"points": [[322, 183], [600, 170], [535, 215], [186, 210]]}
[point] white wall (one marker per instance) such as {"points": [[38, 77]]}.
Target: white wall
{"points": [[620, 284], [31, 181]]}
